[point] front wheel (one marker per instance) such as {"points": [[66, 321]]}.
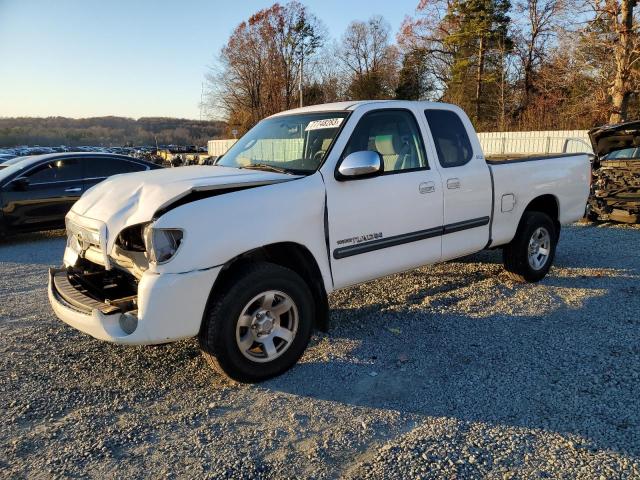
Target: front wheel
{"points": [[530, 254], [259, 325]]}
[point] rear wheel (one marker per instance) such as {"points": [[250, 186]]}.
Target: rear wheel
{"points": [[530, 254], [259, 325]]}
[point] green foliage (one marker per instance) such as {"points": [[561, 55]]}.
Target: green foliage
{"points": [[478, 37], [368, 86], [413, 83]]}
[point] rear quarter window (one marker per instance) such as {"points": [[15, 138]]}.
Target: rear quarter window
{"points": [[105, 167], [450, 138]]}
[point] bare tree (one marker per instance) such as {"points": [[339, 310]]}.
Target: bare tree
{"points": [[612, 37], [326, 75], [365, 45], [261, 64], [427, 33], [369, 60], [538, 23]]}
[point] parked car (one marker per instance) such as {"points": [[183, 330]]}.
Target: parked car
{"points": [[243, 254], [616, 173], [36, 192]]}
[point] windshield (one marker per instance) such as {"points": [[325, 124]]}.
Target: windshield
{"points": [[11, 161], [624, 154], [290, 143], [14, 166]]}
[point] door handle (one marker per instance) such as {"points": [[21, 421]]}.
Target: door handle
{"points": [[427, 187], [453, 183], [73, 190]]}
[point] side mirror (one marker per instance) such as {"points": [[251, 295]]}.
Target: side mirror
{"points": [[366, 163], [20, 184]]}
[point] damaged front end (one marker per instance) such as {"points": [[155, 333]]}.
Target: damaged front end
{"points": [[122, 297], [615, 190], [93, 282], [114, 284], [109, 282], [97, 292]]}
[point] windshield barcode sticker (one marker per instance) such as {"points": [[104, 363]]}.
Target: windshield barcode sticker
{"points": [[326, 123]]}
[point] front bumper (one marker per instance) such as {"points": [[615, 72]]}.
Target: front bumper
{"points": [[169, 307]]}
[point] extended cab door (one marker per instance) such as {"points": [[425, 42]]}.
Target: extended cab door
{"points": [[390, 222], [466, 179]]}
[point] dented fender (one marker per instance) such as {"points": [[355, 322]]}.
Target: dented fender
{"points": [[130, 199], [218, 229]]}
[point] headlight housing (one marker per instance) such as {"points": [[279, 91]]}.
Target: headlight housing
{"points": [[162, 243]]}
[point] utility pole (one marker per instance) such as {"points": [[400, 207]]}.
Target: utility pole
{"points": [[300, 78], [201, 98]]}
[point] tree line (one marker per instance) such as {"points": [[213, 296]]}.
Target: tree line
{"points": [[511, 64], [107, 131]]}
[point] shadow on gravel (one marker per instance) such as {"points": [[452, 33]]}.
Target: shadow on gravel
{"points": [[559, 374], [573, 369], [597, 249]]}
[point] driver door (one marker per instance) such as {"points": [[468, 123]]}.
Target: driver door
{"points": [[390, 222], [48, 193]]}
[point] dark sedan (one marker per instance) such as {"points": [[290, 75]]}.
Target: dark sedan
{"points": [[37, 192]]}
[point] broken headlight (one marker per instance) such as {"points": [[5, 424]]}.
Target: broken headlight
{"points": [[161, 243]]}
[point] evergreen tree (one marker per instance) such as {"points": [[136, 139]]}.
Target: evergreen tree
{"points": [[478, 37], [412, 82]]}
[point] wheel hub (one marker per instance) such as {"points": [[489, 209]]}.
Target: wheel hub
{"points": [[539, 248], [267, 326], [263, 323]]}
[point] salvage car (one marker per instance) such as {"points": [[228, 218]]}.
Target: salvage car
{"points": [[242, 254], [616, 173], [37, 191]]}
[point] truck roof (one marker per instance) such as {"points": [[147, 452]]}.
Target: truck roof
{"points": [[352, 105]]}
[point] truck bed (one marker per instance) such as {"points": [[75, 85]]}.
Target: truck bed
{"points": [[514, 158], [518, 180]]}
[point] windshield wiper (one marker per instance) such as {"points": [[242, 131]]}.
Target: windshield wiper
{"points": [[267, 167]]}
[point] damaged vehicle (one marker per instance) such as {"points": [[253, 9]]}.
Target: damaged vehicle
{"points": [[242, 254], [615, 191]]}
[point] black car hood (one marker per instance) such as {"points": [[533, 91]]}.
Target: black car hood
{"points": [[609, 138]]}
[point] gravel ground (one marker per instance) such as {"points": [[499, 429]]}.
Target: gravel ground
{"points": [[448, 371]]}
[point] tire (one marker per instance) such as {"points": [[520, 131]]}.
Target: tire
{"points": [[240, 347], [516, 255]]}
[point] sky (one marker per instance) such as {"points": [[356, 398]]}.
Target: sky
{"points": [[135, 58]]}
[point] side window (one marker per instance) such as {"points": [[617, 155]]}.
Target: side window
{"points": [[394, 134], [450, 137], [105, 167], [57, 171]]}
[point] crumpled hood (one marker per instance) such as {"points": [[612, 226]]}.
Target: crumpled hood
{"points": [[124, 200], [610, 138]]}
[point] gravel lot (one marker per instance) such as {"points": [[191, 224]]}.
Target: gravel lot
{"points": [[449, 371]]}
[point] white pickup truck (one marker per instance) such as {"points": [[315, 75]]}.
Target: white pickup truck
{"points": [[242, 254]]}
